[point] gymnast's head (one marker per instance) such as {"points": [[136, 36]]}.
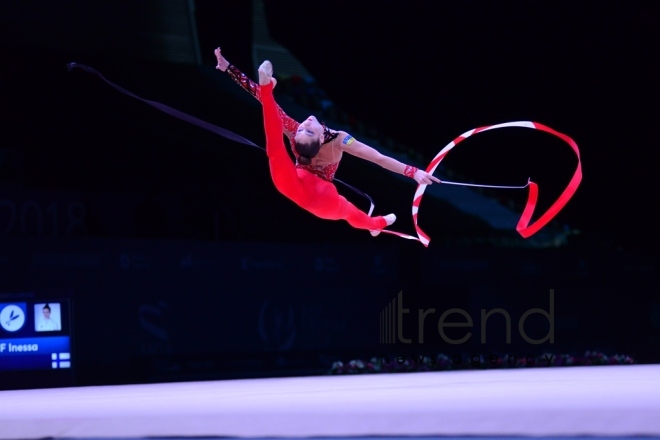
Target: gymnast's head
{"points": [[308, 139]]}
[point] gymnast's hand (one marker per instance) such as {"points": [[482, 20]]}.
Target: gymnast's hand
{"points": [[424, 178], [223, 64]]}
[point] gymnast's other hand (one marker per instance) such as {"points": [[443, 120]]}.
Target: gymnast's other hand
{"points": [[223, 64], [424, 178]]}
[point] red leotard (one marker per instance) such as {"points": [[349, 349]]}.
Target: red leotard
{"points": [[306, 189]]}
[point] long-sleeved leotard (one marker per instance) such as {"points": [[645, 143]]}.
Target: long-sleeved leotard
{"points": [[306, 189]]}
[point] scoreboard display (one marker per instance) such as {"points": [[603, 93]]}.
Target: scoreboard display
{"points": [[35, 339]]}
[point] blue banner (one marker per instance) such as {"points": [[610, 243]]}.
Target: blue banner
{"points": [[46, 353], [57, 346]]}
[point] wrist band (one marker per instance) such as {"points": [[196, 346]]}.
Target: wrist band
{"points": [[410, 171]]}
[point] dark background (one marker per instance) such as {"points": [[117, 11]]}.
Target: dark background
{"points": [[86, 170]]}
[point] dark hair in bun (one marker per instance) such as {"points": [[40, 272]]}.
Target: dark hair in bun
{"points": [[304, 160], [307, 150]]}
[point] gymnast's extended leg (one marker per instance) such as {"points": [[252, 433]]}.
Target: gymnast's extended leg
{"points": [[282, 170]]}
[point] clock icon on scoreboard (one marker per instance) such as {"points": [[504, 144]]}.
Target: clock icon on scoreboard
{"points": [[12, 317]]}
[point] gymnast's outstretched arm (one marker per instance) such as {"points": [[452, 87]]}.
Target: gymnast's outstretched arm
{"points": [[364, 151]]}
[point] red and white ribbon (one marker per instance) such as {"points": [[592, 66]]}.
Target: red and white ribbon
{"points": [[524, 228]]}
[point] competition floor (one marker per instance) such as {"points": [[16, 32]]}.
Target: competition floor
{"points": [[594, 401]]}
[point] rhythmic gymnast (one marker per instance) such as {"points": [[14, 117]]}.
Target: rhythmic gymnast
{"points": [[318, 151]]}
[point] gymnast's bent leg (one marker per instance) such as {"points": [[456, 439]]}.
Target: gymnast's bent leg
{"points": [[329, 204], [359, 219]]}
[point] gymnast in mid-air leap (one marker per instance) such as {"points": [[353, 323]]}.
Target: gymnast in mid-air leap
{"points": [[317, 151], [308, 180]]}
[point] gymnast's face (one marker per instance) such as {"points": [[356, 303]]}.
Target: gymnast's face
{"points": [[309, 130]]}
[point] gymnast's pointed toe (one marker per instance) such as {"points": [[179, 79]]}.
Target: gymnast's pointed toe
{"points": [[265, 73], [389, 219], [266, 67]]}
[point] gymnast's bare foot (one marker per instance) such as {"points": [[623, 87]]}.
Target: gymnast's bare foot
{"points": [[266, 74]]}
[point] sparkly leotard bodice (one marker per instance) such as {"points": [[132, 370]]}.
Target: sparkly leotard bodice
{"points": [[290, 125], [326, 172]]}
